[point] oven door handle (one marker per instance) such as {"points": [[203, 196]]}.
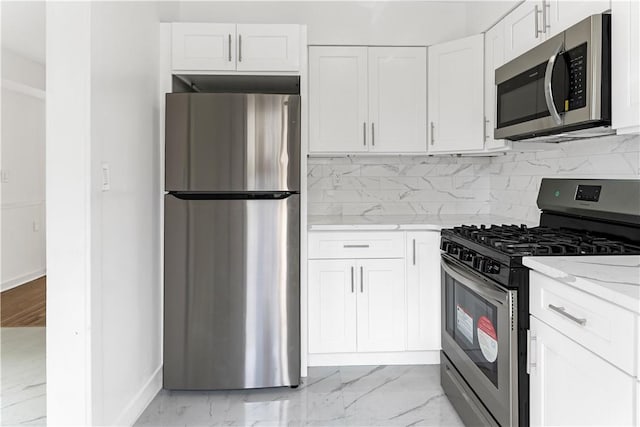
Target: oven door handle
{"points": [[476, 284]]}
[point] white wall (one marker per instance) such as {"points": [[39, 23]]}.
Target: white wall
{"points": [[343, 23], [22, 166], [104, 311]]}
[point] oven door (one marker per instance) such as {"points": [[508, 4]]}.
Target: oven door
{"points": [[479, 336]]}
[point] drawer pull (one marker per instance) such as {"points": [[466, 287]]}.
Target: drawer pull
{"points": [[562, 311], [355, 246]]}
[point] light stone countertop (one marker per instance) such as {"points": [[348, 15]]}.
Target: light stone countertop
{"points": [[614, 278], [401, 222]]}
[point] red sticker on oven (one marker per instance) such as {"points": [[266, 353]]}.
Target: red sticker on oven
{"points": [[487, 339]]}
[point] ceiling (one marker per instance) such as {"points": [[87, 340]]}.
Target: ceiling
{"points": [[23, 28]]}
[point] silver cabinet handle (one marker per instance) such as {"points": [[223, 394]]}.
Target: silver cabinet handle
{"points": [[548, 90], [364, 133], [361, 274], [373, 134], [531, 351], [563, 312], [352, 283], [414, 251], [432, 131], [355, 246], [240, 47], [537, 29], [545, 25], [229, 47]]}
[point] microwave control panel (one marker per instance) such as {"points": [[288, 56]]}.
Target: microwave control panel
{"points": [[576, 60]]}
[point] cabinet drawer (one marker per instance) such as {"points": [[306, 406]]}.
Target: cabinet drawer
{"points": [[601, 327], [332, 245]]}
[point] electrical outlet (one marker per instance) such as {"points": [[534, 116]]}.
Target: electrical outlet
{"points": [[106, 177], [4, 176]]}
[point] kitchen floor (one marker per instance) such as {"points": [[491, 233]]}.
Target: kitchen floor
{"points": [[329, 396], [23, 367]]}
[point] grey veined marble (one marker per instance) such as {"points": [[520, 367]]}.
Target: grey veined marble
{"points": [[23, 366], [331, 396]]}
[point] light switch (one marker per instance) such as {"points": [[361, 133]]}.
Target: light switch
{"points": [[106, 177], [4, 176]]}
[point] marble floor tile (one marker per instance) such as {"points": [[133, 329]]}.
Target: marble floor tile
{"points": [[329, 396], [23, 376]]}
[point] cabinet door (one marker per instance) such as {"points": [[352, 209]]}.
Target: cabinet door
{"points": [[572, 386], [561, 14], [381, 305], [398, 99], [203, 47], [456, 95], [523, 29], [332, 313], [625, 66], [268, 47], [338, 99], [423, 290], [493, 58]]}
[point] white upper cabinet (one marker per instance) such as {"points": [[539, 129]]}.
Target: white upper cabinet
{"points": [[625, 66], [231, 47], [456, 95], [268, 47], [338, 99], [367, 99], [493, 58], [536, 20], [562, 13], [523, 28], [398, 99], [203, 46]]}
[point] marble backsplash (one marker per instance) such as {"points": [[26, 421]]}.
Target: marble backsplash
{"points": [[515, 178], [398, 185], [506, 185]]}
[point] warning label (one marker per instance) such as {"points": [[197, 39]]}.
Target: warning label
{"points": [[464, 323], [487, 339]]}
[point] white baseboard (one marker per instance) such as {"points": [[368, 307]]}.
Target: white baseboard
{"points": [[12, 283], [391, 358], [139, 403]]}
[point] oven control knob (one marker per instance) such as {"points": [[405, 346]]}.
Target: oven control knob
{"points": [[478, 263], [491, 267], [454, 249], [445, 246], [467, 255]]}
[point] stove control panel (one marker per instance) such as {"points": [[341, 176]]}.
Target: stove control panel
{"points": [[478, 262], [589, 193]]}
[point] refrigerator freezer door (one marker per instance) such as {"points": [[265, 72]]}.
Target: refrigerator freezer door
{"points": [[232, 142], [232, 293]]}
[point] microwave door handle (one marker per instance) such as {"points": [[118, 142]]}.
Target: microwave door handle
{"points": [[548, 90]]}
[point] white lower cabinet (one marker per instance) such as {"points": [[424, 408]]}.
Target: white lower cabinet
{"points": [[356, 305], [374, 297], [423, 290], [570, 385]]}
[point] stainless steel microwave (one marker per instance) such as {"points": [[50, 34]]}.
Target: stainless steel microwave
{"points": [[559, 90]]}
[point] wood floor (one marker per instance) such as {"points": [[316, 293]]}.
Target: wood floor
{"points": [[24, 305]]}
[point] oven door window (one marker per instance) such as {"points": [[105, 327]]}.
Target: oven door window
{"points": [[472, 322]]}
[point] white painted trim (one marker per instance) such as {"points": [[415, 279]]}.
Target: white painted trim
{"points": [[20, 205], [361, 359], [21, 280], [142, 399], [628, 130], [23, 89]]}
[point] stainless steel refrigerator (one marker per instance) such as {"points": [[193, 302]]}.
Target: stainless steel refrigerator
{"points": [[232, 241]]}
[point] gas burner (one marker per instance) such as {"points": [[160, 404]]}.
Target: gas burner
{"points": [[519, 240]]}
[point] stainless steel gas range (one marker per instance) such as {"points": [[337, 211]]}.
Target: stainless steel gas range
{"points": [[485, 289]]}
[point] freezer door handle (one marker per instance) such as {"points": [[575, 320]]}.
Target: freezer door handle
{"points": [[256, 195]]}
